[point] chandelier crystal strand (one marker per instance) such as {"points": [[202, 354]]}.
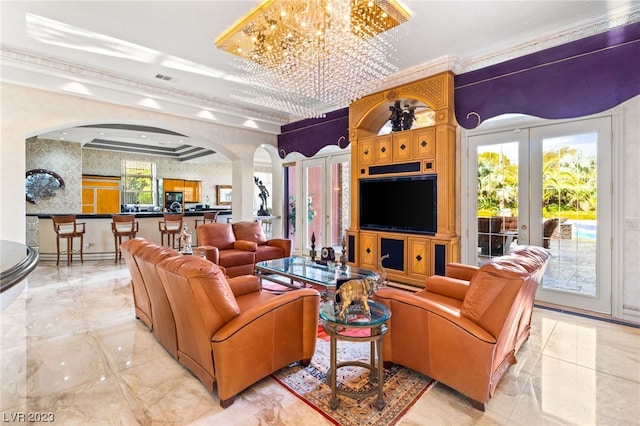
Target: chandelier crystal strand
{"points": [[306, 57]]}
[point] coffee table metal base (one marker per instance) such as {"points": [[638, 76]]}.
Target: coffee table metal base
{"points": [[377, 371]]}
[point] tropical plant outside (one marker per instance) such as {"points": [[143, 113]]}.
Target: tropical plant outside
{"points": [[569, 184], [292, 212]]}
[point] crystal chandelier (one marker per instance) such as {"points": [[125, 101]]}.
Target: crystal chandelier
{"points": [[307, 56]]}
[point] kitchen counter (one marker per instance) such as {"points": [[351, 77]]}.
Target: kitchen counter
{"points": [[98, 238], [137, 214]]}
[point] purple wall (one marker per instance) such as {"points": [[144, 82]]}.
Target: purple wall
{"points": [[576, 79], [311, 135]]}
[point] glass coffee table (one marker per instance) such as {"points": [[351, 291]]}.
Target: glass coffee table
{"points": [[300, 272], [338, 328]]}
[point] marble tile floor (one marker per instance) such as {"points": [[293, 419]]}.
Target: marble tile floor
{"points": [[73, 351]]}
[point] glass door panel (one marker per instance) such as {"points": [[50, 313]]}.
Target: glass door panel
{"points": [[547, 186], [574, 212], [338, 201], [326, 191], [314, 189], [497, 198]]}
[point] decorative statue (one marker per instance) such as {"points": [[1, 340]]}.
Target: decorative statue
{"points": [[401, 119], [408, 115], [396, 117], [185, 240], [343, 256], [313, 253], [360, 290], [264, 194]]}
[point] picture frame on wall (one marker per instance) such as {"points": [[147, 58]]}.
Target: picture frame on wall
{"points": [[224, 194]]}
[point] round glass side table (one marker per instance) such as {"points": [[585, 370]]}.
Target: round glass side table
{"points": [[338, 329]]}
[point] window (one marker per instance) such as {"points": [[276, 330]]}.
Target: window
{"points": [[138, 179]]}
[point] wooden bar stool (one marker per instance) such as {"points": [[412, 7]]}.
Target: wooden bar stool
{"points": [[209, 217], [123, 225], [171, 226], [67, 228]]}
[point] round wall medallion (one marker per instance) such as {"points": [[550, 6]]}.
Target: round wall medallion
{"points": [[41, 183]]}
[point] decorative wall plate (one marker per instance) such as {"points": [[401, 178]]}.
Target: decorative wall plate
{"points": [[41, 183]]}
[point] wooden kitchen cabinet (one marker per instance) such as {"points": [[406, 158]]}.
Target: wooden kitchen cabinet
{"points": [[191, 189]]}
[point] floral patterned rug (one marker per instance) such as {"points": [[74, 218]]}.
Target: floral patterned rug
{"points": [[402, 386]]}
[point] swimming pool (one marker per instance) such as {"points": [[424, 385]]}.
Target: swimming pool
{"points": [[584, 230]]}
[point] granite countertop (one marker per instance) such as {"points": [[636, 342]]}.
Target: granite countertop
{"points": [[137, 214]]}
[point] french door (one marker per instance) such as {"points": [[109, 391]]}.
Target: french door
{"points": [[326, 205], [549, 186]]}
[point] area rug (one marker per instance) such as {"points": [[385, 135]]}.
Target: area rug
{"points": [[402, 386]]}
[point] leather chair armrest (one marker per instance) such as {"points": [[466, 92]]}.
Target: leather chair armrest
{"points": [[210, 252], [259, 312], [424, 306], [244, 284], [283, 243], [460, 271], [446, 286], [245, 245]]}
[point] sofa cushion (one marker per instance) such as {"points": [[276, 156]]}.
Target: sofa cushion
{"points": [[249, 231], [231, 258], [268, 252], [216, 234], [491, 294]]}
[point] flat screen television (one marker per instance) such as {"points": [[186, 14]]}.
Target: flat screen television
{"points": [[401, 204]]}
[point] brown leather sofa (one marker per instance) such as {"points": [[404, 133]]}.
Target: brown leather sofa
{"points": [[465, 329], [230, 332], [239, 246], [164, 324], [141, 298]]}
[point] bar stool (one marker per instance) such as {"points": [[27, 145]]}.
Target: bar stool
{"points": [[123, 225], [171, 226], [208, 217], [67, 228]]}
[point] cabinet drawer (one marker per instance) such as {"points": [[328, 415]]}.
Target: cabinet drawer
{"points": [[369, 251], [425, 143], [402, 146], [384, 149], [419, 257], [365, 151]]}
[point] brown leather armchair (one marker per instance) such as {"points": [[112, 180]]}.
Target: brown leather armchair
{"points": [[239, 246], [233, 334], [140, 292], [466, 333], [275, 248]]}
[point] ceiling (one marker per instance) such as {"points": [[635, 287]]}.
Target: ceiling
{"points": [[160, 55]]}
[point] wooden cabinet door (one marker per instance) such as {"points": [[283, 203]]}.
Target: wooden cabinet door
{"points": [[419, 257], [108, 200], [88, 200], [425, 143], [369, 250], [192, 191], [402, 146], [384, 149], [366, 149], [173, 185]]}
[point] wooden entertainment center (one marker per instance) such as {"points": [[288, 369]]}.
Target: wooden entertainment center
{"points": [[426, 150]]}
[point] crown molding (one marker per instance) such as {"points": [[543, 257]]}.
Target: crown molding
{"points": [[458, 65], [54, 66], [616, 18]]}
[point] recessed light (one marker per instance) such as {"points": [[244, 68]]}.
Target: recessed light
{"points": [[143, 136], [65, 133]]}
